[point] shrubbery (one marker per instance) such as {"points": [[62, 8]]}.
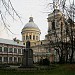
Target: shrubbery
{"points": [[44, 61]]}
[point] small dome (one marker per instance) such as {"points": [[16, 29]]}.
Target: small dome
{"points": [[56, 11], [31, 24]]}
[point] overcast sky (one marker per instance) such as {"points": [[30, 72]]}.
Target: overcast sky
{"points": [[25, 8]]}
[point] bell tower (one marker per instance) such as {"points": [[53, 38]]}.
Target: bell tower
{"points": [[54, 23]]}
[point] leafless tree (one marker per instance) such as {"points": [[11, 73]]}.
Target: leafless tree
{"points": [[68, 9], [7, 7]]}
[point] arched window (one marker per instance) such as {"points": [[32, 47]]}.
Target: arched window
{"points": [[41, 42], [23, 43], [33, 37], [5, 59], [15, 59], [53, 25], [19, 59], [26, 37], [30, 36]]}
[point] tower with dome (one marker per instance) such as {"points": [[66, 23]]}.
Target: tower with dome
{"points": [[30, 31]]}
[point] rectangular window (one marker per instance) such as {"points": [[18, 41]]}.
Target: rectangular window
{"points": [[5, 59], [5, 50], [10, 59], [15, 50], [15, 59], [19, 59], [10, 50], [19, 51], [0, 49]]}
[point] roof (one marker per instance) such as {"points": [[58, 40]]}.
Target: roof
{"points": [[10, 42], [55, 12], [31, 24]]}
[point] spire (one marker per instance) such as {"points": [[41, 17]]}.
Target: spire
{"points": [[30, 19]]}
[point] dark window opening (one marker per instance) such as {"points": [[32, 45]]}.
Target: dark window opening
{"points": [[26, 37], [53, 25], [10, 59], [5, 59], [19, 51], [0, 49], [15, 50], [0, 59], [10, 50], [30, 36], [33, 37], [23, 43], [5, 50]]}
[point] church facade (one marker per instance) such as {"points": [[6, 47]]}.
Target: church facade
{"points": [[32, 32], [51, 46], [41, 48], [11, 51]]}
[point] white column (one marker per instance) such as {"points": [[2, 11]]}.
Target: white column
{"points": [[8, 49], [25, 36], [28, 34], [3, 48], [32, 36], [21, 51]]}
